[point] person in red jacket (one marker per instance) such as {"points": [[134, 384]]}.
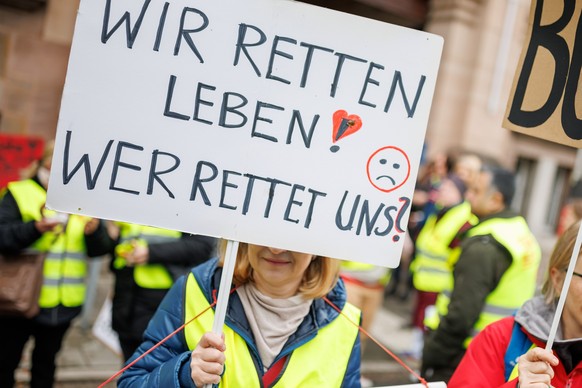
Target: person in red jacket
{"points": [[511, 352]]}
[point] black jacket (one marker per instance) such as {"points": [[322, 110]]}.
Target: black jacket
{"points": [[133, 306], [16, 235], [482, 263]]}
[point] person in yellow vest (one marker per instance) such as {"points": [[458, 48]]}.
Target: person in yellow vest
{"points": [[281, 329], [146, 262], [68, 240], [511, 352], [365, 284], [495, 272], [441, 233]]}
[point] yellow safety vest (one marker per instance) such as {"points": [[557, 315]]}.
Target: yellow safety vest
{"points": [[65, 265], [517, 283], [321, 362], [153, 276], [431, 270], [356, 266]]}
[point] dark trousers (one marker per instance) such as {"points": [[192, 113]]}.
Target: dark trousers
{"points": [[47, 343], [423, 300], [128, 345]]}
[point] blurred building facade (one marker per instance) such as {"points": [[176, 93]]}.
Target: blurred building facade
{"points": [[483, 43]]}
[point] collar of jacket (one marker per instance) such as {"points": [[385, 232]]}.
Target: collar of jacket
{"points": [[506, 213]]}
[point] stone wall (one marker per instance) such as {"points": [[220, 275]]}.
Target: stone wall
{"points": [[34, 50]]}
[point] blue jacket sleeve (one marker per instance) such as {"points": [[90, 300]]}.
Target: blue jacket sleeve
{"points": [[352, 377], [169, 364]]}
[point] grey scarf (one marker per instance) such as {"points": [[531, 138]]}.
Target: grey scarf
{"points": [[272, 321]]}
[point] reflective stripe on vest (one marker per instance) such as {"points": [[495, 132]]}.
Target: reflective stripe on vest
{"points": [[65, 265], [431, 270], [517, 283], [153, 276], [321, 362]]}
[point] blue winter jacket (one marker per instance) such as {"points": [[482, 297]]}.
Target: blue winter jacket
{"points": [[169, 364]]}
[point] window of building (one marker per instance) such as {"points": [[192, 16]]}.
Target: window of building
{"points": [[524, 177], [559, 194]]}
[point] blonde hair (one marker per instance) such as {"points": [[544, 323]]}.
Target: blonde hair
{"points": [[560, 259], [318, 280]]}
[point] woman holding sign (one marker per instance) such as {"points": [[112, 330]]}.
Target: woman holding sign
{"points": [[282, 327], [511, 351]]}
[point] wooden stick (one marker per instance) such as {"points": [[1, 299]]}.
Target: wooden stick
{"points": [[224, 289]]}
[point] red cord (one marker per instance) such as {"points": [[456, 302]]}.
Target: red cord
{"points": [[385, 349], [214, 292], [154, 347]]}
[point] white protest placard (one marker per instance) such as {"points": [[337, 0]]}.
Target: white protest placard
{"points": [[264, 121]]}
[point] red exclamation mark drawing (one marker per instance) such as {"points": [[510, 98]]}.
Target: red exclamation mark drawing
{"points": [[344, 125]]}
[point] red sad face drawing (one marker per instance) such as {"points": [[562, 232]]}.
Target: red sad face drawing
{"points": [[388, 168]]}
